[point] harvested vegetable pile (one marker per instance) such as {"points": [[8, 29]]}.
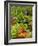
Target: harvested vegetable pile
{"points": [[21, 21]]}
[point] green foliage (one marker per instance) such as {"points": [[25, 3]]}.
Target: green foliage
{"points": [[22, 19], [14, 30]]}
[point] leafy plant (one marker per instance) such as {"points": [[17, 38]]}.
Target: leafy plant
{"points": [[22, 18]]}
